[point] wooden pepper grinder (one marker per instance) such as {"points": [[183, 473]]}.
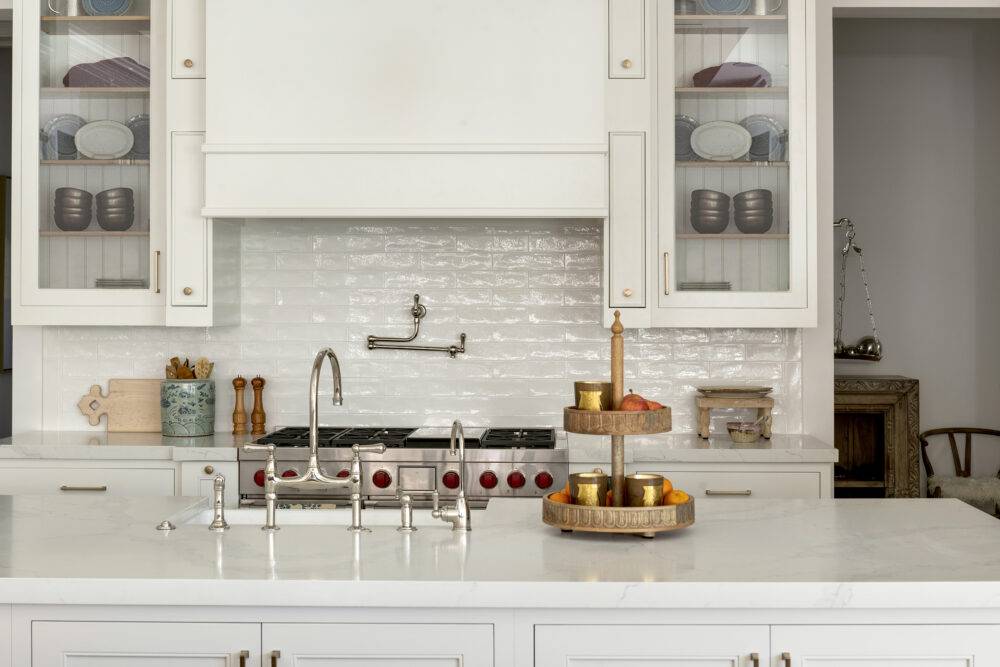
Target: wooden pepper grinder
{"points": [[258, 419], [240, 411]]}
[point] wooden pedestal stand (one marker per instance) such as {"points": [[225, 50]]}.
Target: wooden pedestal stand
{"points": [[706, 404], [645, 521]]}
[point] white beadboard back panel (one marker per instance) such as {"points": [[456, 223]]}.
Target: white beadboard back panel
{"points": [[527, 293]]}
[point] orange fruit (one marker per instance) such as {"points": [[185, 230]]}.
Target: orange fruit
{"points": [[667, 486], [560, 497], [609, 500], [566, 489], [676, 497]]}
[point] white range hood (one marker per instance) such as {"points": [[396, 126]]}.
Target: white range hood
{"points": [[407, 108]]}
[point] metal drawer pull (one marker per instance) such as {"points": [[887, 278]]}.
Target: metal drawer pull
{"points": [[744, 492], [786, 657], [243, 658], [755, 659], [66, 487], [274, 658]]}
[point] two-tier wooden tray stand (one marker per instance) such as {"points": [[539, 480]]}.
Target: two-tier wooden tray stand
{"points": [[645, 521]]}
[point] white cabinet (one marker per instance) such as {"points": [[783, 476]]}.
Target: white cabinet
{"points": [[650, 645], [81, 478], [189, 245], [198, 477], [627, 220], [379, 644], [735, 482], [109, 644], [187, 39], [885, 645], [627, 39]]}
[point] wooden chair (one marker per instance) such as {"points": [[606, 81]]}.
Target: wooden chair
{"points": [[981, 492]]}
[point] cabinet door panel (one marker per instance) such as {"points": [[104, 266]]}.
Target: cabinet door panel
{"points": [[187, 39], [627, 39], [627, 220], [739, 484], [887, 645], [380, 644], [189, 251], [87, 481], [81, 644], [648, 645]]}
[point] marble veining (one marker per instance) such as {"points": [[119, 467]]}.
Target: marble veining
{"points": [[739, 554]]}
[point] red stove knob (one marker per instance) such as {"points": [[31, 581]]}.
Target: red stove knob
{"points": [[381, 479], [488, 480], [515, 480], [289, 473], [543, 480], [258, 478], [451, 479], [344, 473]]}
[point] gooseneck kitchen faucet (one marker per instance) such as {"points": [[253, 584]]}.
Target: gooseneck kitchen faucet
{"points": [[458, 514], [314, 477]]}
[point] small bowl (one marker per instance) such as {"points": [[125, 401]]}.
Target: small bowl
{"points": [[710, 206], [115, 192], [754, 225], [72, 192], [115, 222], [709, 226], [753, 205], [72, 222], [744, 432], [709, 194], [759, 193]]}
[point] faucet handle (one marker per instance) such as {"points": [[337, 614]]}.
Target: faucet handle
{"points": [[378, 448], [259, 448]]}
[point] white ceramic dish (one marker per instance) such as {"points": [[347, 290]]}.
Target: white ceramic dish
{"points": [[721, 141], [725, 6], [104, 140]]}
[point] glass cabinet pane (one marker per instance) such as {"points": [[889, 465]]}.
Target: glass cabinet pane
{"points": [[93, 177], [731, 169]]}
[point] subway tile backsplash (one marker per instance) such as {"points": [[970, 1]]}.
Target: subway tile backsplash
{"points": [[527, 294]]}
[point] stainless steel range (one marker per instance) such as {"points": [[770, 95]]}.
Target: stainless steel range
{"points": [[500, 462]]}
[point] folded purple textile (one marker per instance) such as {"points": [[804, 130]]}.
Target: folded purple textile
{"points": [[113, 72], [733, 75]]}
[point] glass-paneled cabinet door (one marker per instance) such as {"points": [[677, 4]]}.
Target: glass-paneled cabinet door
{"points": [[89, 231], [731, 122]]}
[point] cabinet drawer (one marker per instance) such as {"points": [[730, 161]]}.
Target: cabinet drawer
{"points": [[627, 220], [743, 484], [187, 39], [627, 39], [110, 481]]}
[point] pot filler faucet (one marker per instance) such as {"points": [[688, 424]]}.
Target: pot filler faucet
{"points": [[314, 477]]}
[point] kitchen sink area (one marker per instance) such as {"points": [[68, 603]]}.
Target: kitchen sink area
{"points": [[254, 516]]}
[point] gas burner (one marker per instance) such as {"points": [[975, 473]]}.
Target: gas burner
{"points": [[527, 438], [294, 436], [390, 437]]}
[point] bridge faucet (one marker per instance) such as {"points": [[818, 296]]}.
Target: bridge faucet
{"points": [[458, 515]]}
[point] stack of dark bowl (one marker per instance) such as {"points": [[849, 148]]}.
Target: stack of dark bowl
{"points": [[753, 211], [115, 209], [73, 209], [709, 211]]}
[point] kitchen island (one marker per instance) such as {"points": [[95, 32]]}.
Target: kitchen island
{"points": [[93, 576]]}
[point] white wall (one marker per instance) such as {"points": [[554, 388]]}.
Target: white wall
{"points": [[527, 293], [917, 143]]}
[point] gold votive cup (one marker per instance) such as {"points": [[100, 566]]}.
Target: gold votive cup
{"points": [[588, 488], [644, 489], [584, 394]]}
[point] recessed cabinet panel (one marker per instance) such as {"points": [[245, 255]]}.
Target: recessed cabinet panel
{"points": [[627, 39], [189, 243], [627, 220], [886, 645], [187, 39], [743, 484], [649, 645]]}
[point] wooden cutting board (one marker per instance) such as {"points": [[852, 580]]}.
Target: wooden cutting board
{"points": [[132, 406]]}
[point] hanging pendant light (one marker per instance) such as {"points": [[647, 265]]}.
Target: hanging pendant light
{"points": [[868, 348]]}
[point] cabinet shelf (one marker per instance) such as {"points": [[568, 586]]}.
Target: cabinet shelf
{"points": [[94, 163], [858, 484], [95, 25], [100, 232], [741, 164], [731, 237], [708, 23], [720, 91], [95, 91]]}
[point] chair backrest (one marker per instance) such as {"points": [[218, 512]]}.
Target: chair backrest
{"points": [[960, 471]]}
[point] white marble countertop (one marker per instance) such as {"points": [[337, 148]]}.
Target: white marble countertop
{"points": [[690, 448], [100, 445], [819, 554]]}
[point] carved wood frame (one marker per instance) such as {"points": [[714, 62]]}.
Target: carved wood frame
{"points": [[898, 399]]}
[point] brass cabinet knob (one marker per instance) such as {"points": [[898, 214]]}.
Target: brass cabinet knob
{"points": [[187, 291], [188, 63], [627, 292], [209, 470], [627, 64]]}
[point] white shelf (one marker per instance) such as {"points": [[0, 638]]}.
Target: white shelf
{"points": [[719, 91], [95, 163], [95, 25], [96, 232], [95, 91], [741, 164], [731, 237]]}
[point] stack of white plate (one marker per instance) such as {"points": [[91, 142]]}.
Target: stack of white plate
{"points": [[709, 211], [720, 286], [753, 211]]}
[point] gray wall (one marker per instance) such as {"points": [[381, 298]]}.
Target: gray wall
{"points": [[917, 162]]}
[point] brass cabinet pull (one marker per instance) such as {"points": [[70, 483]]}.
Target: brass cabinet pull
{"points": [[99, 489], [786, 658], [755, 659], [243, 658], [627, 64], [187, 291], [627, 292], [156, 271], [188, 63], [666, 273], [274, 658], [209, 470], [744, 492]]}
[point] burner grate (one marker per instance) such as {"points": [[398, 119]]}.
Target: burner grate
{"points": [[527, 438], [297, 436], [390, 437]]}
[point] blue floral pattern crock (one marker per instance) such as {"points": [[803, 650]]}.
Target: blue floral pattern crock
{"points": [[187, 407]]}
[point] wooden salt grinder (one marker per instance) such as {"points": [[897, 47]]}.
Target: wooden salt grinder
{"points": [[617, 394], [258, 419], [239, 411]]}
